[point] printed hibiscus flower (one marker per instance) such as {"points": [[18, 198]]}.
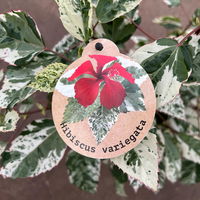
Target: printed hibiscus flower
{"points": [[112, 92]]}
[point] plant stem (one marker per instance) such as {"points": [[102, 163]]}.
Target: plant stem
{"points": [[188, 35], [58, 54], [139, 28]]}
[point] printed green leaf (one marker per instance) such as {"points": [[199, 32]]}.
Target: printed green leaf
{"points": [[83, 172], [77, 17], [108, 10], [134, 100], [75, 112], [8, 120], [172, 3], [38, 149], [101, 121], [141, 163], [19, 37], [172, 158], [70, 45], [175, 108], [46, 79], [196, 17], [189, 146], [17, 78], [190, 172], [169, 65], [169, 22]]}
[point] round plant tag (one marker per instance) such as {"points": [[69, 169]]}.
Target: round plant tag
{"points": [[104, 103]]}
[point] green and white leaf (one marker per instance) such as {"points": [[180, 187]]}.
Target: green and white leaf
{"points": [[77, 17], [172, 3], [190, 172], [169, 22], [17, 78], [135, 184], [8, 121], [70, 45], [108, 10], [172, 158], [175, 108], [189, 146], [83, 172], [101, 121], [75, 112], [19, 37], [2, 147], [141, 163], [38, 149], [196, 17], [46, 79], [1, 75]]}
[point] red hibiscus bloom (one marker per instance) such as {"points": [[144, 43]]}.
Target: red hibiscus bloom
{"points": [[112, 93]]}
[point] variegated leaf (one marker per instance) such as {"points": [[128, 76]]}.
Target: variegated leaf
{"points": [[38, 149], [17, 78], [77, 17], [108, 10], [2, 147], [172, 158], [169, 65], [135, 184], [83, 172], [8, 121], [101, 121], [19, 37], [189, 146], [175, 108], [141, 163], [172, 3]]}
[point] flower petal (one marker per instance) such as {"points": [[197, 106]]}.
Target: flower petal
{"points": [[112, 94], [117, 69], [86, 90], [85, 68], [102, 60]]}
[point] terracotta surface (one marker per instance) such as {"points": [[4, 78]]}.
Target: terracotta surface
{"points": [[54, 185]]}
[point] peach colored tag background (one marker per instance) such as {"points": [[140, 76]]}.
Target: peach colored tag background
{"points": [[120, 131]]}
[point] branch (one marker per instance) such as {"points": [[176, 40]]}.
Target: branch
{"points": [[188, 35], [139, 28], [58, 54]]}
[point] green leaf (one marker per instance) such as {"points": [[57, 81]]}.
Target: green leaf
{"points": [[175, 108], [19, 37], [189, 146], [141, 163], [108, 10], [169, 22], [17, 78], [75, 112], [8, 121], [172, 3], [169, 65], [38, 149], [83, 172], [77, 17], [120, 29], [46, 79], [190, 172], [134, 100], [101, 121], [172, 158]]}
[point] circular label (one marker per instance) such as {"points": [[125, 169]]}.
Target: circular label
{"points": [[104, 103]]}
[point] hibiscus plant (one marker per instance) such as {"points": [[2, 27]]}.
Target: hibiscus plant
{"points": [[33, 146]]}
